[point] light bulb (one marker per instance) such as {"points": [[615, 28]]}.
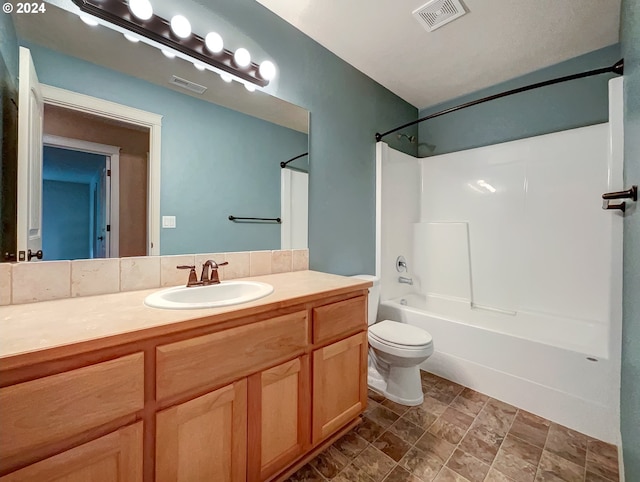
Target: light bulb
{"points": [[168, 54], [250, 87], [242, 57], [141, 9], [131, 38], [226, 77], [180, 26], [267, 70], [213, 41], [199, 66], [88, 20]]}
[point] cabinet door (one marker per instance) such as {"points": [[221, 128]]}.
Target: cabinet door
{"points": [[279, 417], [339, 384], [116, 457], [204, 439]]}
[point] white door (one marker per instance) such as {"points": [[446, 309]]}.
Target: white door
{"points": [[30, 115]]}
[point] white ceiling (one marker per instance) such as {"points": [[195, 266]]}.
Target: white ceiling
{"points": [[495, 41]]}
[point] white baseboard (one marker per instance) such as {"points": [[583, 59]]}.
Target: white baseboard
{"points": [[563, 408]]}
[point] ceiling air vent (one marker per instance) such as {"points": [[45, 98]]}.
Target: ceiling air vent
{"points": [[436, 13], [187, 84]]}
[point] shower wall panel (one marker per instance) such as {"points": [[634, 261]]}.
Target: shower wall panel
{"points": [[539, 241]]}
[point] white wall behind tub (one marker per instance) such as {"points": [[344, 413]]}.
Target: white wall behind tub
{"points": [[397, 209], [538, 240]]}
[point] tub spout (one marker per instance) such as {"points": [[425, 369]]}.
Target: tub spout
{"points": [[405, 280]]}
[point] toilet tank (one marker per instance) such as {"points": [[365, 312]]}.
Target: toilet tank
{"points": [[374, 296]]}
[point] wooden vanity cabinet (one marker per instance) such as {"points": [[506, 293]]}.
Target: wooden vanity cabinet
{"points": [[291, 407], [252, 400], [339, 384], [279, 417], [205, 438]]}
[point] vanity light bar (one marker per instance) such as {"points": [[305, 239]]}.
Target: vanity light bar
{"points": [[158, 30]]}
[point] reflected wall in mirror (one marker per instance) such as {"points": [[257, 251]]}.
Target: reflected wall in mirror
{"points": [[220, 151]]}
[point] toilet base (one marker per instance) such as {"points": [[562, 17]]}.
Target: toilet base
{"points": [[400, 384]]}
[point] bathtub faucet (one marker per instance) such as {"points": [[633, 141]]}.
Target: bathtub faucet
{"points": [[404, 279]]}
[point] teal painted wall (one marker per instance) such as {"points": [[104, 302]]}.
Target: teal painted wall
{"points": [[65, 232], [215, 161], [558, 107], [66, 202], [630, 385], [347, 108]]}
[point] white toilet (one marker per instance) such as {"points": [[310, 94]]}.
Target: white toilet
{"points": [[395, 351]]}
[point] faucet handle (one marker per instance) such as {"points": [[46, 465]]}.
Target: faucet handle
{"points": [[193, 277]]}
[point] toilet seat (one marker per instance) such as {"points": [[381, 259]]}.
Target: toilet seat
{"points": [[400, 339], [400, 335], [406, 348]]}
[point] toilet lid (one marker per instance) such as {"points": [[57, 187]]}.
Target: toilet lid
{"points": [[400, 333]]}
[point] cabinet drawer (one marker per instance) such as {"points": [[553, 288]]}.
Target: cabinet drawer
{"points": [[116, 457], [211, 360], [53, 408], [331, 321]]}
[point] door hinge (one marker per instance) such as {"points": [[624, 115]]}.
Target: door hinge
{"points": [[108, 227], [109, 172]]}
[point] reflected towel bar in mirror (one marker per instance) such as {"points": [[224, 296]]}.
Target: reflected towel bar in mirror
{"points": [[273, 220]]}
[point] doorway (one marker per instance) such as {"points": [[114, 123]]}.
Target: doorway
{"points": [[80, 210], [118, 192]]}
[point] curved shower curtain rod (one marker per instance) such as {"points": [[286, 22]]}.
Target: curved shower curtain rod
{"points": [[617, 68], [284, 164]]}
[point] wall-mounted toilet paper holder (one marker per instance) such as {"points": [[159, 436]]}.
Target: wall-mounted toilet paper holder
{"points": [[628, 194]]}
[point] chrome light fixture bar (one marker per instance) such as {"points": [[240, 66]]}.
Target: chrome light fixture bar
{"points": [[159, 30]]}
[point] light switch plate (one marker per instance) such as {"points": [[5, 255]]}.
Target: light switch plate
{"points": [[168, 221]]}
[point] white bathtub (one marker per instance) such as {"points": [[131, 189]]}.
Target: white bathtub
{"points": [[496, 354]]}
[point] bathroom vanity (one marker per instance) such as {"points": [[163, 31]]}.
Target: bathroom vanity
{"points": [[106, 389]]}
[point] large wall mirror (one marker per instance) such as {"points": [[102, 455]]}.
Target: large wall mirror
{"points": [[219, 151]]}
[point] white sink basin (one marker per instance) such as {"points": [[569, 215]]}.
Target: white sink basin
{"points": [[212, 296]]}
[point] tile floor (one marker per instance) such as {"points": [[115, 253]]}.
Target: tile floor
{"points": [[459, 435]]}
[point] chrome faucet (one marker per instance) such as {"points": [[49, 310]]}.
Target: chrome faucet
{"points": [[205, 277], [405, 280]]}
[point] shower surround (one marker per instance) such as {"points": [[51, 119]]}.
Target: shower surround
{"points": [[516, 268]]}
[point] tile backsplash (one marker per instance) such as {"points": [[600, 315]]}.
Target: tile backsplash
{"points": [[40, 281], [50, 280]]}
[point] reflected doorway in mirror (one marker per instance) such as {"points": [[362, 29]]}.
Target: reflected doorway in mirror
{"points": [[80, 197]]}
